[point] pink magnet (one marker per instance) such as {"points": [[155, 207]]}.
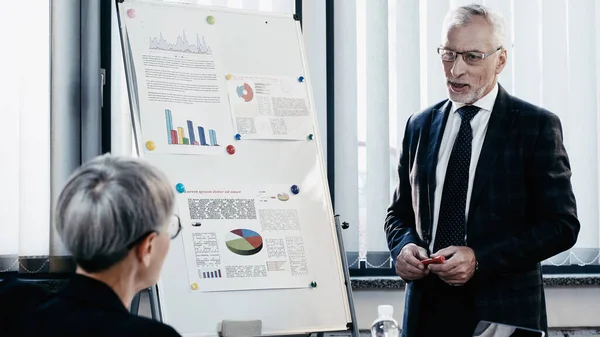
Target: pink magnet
{"points": [[131, 13]]}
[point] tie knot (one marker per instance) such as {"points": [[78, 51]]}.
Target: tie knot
{"points": [[467, 112]]}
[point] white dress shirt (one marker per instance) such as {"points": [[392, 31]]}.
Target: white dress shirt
{"points": [[479, 124]]}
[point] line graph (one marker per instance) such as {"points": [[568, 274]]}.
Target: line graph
{"points": [[182, 45]]}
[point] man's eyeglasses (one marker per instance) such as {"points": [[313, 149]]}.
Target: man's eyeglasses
{"points": [[174, 228], [470, 57]]}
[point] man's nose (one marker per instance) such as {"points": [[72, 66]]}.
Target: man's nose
{"points": [[459, 66]]}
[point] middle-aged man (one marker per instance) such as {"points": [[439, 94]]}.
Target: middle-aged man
{"points": [[484, 180]]}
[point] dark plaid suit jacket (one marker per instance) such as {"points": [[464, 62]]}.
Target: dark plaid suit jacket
{"points": [[522, 209]]}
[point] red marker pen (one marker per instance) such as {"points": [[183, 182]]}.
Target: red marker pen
{"points": [[434, 260]]}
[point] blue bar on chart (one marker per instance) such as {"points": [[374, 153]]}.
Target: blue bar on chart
{"points": [[202, 136], [212, 274], [191, 131], [169, 118], [213, 137]]}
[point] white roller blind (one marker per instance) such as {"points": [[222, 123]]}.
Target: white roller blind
{"points": [[345, 117], [10, 103], [25, 140]]}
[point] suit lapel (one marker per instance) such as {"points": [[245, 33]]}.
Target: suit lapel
{"points": [[501, 121], [439, 117]]}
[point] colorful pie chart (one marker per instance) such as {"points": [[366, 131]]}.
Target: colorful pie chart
{"points": [[244, 242], [245, 92]]}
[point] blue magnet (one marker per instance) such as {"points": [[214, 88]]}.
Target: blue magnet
{"points": [[295, 189], [311, 137], [180, 188], [301, 79], [238, 136]]}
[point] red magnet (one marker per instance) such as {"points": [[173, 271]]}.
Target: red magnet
{"points": [[230, 149], [434, 260]]}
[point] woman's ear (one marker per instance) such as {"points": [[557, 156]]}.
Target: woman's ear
{"points": [[145, 248]]}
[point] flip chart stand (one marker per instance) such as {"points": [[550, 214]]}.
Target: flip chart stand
{"points": [[155, 292]]}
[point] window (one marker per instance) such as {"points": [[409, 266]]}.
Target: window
{"points": [[387, 68], [51, 126], [25, 140]]}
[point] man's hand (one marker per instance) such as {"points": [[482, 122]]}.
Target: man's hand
{"points": [[408, 263], [459, 266]]}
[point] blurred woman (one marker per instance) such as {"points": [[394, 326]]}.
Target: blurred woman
{"points": [[115, 216]]}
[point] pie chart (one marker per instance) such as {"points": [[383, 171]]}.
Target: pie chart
{"points": [[244, 242], [245, 92]]}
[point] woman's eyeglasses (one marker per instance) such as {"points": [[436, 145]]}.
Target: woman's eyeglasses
{"points": [[174, 229], [174, 226]]}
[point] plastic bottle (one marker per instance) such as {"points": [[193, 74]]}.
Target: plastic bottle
{"points": [[385, 325]]}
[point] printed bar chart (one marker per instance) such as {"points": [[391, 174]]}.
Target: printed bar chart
{"points": [[212, 274], [186, 135]]}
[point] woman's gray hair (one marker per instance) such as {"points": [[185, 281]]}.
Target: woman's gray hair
{"points": [[107, 204], [462, 15]]}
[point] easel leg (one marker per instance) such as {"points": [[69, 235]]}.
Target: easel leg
{"points": [[135, 304], [354, 327], [154, 309]]}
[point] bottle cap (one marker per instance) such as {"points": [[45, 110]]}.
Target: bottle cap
{"points": [[385, 310]]}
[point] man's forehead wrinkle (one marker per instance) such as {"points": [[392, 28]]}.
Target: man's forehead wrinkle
{"points": [[457, 41], [464, 47]]}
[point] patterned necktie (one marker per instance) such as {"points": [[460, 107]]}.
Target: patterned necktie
{"points": [[452, 220]]}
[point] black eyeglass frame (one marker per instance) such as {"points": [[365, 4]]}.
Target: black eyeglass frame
{"points": [[145, 235]]}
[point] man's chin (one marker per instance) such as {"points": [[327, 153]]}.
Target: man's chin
{"points": [[466, 98]]}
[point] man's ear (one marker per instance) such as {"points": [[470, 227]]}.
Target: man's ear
{"points": [[502, 58], [143, 250]]}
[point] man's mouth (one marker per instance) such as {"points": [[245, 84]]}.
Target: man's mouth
{"points": [[458, 87]]}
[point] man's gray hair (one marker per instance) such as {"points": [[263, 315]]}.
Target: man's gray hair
{"points": [[108, 204], [462, 15]]}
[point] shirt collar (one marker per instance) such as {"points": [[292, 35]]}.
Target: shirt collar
{"points": [[486, 102]]}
